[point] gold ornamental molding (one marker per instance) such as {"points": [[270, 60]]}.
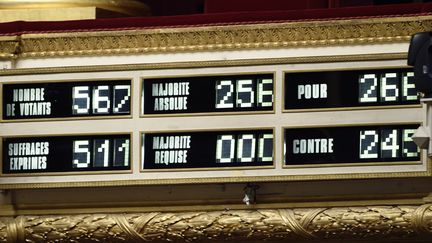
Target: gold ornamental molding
{"points": [[9, 46], [217, 38], [341, 224]]}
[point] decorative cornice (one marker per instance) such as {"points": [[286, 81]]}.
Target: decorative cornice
{"points": [[9, 46], [224, 37], [372, 223], [199, 64]]}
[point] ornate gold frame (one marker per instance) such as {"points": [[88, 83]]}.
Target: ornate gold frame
{"points": [[216, 37], [371, 222]]}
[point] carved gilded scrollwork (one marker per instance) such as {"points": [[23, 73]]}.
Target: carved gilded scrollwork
{"points": [[8, 48], [300, 224], [3, 230], [73, 228], [213, 38]]}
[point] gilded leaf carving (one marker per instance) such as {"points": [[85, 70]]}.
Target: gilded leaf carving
{"points": [[301, 224]]}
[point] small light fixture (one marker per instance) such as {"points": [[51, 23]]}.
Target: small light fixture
{"points": [[250, 193]]}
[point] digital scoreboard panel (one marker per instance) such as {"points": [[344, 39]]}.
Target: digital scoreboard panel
{"points": [[207, 94], [351, 144], [207, 149], [349, 89], [238, 128], [22, 155], [66, 99]]}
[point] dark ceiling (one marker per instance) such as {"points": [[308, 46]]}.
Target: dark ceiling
{"points": [[175, 7], [186, 7]]}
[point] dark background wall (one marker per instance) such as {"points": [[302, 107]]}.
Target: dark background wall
{"points": [[183, 7]]}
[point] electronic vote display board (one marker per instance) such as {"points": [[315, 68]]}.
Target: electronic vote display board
{"points": [[66, 99], [338, 89], [66, 153], [350, 144], [209, 149], [256, 150], [208, 94]]}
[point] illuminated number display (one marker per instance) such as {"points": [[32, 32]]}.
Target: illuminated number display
{"points": [[366, 144], [208, 94], [66, 99], [207, 149], [66, 154], [351, 88]]}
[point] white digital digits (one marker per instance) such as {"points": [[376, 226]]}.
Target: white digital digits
{"points": [[368, 88], [81, 154], [247, 93], [103, 99], [224, 94], [225, 149], [121, 98], [243, 148], [389, 85], [388, 143], [265, 92], [81, 100], [265, 147], [121, 152], [101, 152], [408, 87], [246, 148], [409, 148], [368, 144]]}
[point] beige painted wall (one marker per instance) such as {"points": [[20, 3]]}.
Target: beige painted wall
{"points": [[49, 14]]}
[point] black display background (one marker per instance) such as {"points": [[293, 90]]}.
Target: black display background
{"points": [[60, 96], [202, 94], [346, 145], [342, 89], [202, 152], [60, 153]]}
